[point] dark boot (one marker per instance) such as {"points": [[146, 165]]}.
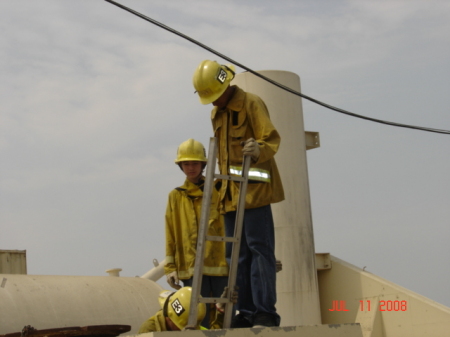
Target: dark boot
{"points": [[240, 321], [263, 320]]}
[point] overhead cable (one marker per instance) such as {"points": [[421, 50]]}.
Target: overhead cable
{"points": [[159, 24]]}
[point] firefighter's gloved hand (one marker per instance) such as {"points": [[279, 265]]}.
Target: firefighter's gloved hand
{"points": [[278, 266], [251, 148], [172, 279], [234, 298]]}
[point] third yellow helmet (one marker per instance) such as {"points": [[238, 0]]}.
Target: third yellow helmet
{"points": [[177, 306]]}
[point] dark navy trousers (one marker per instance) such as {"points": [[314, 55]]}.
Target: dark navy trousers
{"points": [[256, 275]]}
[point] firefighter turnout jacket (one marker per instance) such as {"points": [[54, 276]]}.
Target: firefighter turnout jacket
{"points": [[182, 225], [246, 116]]}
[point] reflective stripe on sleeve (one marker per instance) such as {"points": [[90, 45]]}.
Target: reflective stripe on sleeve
{"points": [[253, 173]]}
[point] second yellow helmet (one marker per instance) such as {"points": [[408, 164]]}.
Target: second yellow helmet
{"points": [[191, 150]]}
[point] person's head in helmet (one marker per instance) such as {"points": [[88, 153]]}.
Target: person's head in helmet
{"points": [[176, 305], [191, 157], [212, 83]]}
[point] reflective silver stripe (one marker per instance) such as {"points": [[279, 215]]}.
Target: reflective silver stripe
{"points": [[253, 173]]}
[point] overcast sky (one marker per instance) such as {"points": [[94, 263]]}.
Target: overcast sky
{"points": [[95, 101]]}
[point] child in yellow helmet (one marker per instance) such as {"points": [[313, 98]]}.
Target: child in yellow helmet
{"points": [[182, 222]]}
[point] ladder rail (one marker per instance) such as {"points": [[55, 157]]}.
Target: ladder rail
{"points": [[239, 221], [202, 231], [203, 237]]}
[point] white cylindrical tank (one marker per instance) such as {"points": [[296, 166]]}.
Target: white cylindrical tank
{"points": [[48, 302], [297, 288]]}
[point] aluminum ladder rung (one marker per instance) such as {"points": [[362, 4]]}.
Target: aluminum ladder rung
{"points": [[229, 177], [214, 300], [222, 238]]}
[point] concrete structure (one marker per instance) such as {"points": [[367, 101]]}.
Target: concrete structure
{"points": [[297, 289], [333, 330], [47, 302], [382, 308]]}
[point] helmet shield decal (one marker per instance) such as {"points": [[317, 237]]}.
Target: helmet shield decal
{"points": [[177, 307], [221, 75]]}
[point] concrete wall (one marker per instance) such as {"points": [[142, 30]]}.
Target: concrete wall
{"points": [[297, 290], [394, 311], [335, 330]]}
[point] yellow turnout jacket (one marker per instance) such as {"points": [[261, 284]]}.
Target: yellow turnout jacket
{"points": [[246, 116], [154, 323], [182, 225]]}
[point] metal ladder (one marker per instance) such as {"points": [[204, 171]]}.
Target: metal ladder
{"points": [[203, 237]]}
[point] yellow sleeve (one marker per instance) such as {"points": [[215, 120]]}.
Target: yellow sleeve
{"points": [[264, 131], [148, 326], [218, 321], [170, 240]]}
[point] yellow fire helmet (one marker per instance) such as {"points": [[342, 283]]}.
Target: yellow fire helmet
{"points": [[211, 80], [191, 150], [163, 297], [176, 306]]}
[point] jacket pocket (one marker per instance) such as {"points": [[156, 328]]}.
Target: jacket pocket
{"points": [[238, 134], [217, 125]]}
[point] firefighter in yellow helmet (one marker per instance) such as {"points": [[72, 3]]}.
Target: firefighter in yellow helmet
{"points": [[182, 225], [174, 312], [242, 126], [211, 80]]}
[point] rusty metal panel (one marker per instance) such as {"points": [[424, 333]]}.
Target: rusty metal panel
{"points": [[13, 261], [110, 330]]}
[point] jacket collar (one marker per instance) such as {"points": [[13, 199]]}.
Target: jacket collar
{"points": [[236, 102], [192, 189]]}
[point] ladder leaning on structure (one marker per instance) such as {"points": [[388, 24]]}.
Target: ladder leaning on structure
{"points": [[203, 237]]}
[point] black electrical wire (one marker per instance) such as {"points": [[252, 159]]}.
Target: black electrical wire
{"points": [[159, 24]]}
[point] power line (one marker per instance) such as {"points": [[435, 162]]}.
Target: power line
{"points": [[159, 24]]}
